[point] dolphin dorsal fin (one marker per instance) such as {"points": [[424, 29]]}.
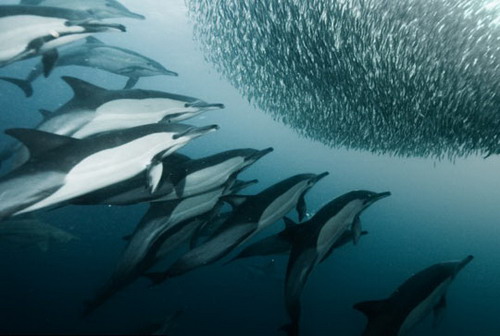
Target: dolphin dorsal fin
{"points": [[81, 88], [370, 308], [93, 40], [39, 142]]}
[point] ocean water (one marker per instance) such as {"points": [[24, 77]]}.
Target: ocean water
{"points": [[393, 102]]}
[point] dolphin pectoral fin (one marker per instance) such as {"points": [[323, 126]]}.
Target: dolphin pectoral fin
{"points": [[131, 83], [234, 200], [356, 230], [371, 309], [438, 311], [154, 173], [301, 208], [49, 59], [20, 83], [38, 142]]}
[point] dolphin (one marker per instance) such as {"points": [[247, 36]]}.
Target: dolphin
{"points": [[316, 242], [30, 231], [164, 226], [251, 214], [94, 110], [96, 54], [98, 9], [422, 293], [281, 243], [61, 168], [29, 31], [180, 179]]}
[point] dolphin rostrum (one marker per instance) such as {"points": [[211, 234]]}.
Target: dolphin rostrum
{"points": [[422, 293], [94, 110], [252, 214], [316, 242], [62, 168], [29, 31]]}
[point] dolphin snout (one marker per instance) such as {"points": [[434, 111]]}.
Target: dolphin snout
{"points": [[194, 132], [383, 194], [320, 176], [260, 154], [134, 15]]}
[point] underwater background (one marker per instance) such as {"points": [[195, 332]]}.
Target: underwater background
{"points": [[445, 201]]}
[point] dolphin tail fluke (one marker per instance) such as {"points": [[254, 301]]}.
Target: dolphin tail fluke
{"points": [[291, 329], [49, 60], [20, 83], [156, 277]]}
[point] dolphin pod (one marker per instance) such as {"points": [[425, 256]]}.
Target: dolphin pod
{"points": [[61, 168], [251, 214], [123, 147], [94, 110], [163, 225]]}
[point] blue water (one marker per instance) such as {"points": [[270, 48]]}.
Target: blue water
{"points": [[440, 209]]}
